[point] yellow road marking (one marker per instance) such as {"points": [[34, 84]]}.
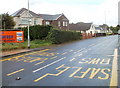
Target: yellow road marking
{"points": [[45, 58], [15, 72], [60, 67], [38, 59], [114, 75], [39, 63], [84, 73], [6, 59], [51, 74], [75, 72], [24, 55], [94, 72], [54, 57], [103, 61], [72, 59]]}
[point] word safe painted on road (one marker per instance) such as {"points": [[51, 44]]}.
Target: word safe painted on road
{"points": [[11, 36]]}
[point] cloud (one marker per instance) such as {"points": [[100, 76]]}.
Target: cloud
{"points": [[75, 10]]}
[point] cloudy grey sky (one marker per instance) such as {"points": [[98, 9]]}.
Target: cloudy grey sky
{"points": [[75, 10]]}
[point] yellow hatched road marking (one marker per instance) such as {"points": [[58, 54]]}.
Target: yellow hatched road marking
{"points": [[36, 60], [114, 75], [15, 72], [45, 58], [39, 63], [60, 67], [23, 55], [52, 74]]}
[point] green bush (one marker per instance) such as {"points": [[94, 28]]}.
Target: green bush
{"points": [[58, 36], [37, 31]]}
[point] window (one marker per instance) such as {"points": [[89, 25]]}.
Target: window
{"points": [[59, 23], [47, 23], [24, 21], [64, 23], [35, 21]]}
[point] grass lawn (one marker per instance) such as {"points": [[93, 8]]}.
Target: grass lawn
{"points": [[33, 44]]}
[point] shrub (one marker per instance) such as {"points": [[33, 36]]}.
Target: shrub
{"points": [[58, 36], [37, 31]]}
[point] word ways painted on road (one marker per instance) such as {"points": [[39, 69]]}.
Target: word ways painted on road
{"points": [[89, 72]]}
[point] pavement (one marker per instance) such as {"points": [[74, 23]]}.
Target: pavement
{"points": [[20, 51], [82, 63], [119, 66]]}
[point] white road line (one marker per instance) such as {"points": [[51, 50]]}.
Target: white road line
{"points": [[48, 65], [70, 50], [80, 54], [72, 59], [78, 50]]}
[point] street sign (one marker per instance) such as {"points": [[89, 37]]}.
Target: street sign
{"points": [[11, 36]]}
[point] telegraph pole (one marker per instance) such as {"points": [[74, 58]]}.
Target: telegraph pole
{"points": [[28, 26]]}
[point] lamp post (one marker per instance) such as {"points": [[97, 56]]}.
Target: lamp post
{"points": [[119, 37], [28, 26]]}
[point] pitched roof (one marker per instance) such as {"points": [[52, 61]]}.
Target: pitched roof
{"points": [[80, 26], [50, 17], [104, 27], [17, 13]]}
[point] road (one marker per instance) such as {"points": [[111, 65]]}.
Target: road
{"points": [[80, 63]]}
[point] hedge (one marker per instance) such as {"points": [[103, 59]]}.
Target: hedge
{"points": [[36, 32], [58, 36]]}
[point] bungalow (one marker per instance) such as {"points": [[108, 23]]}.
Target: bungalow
{"points": [[59, 20], [89, 28], [83, 27], [21, 18]]}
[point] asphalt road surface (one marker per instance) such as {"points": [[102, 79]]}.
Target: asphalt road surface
{"points": [[80, 63]]}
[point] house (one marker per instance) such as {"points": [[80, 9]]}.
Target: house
{"points": [[89, 28], [59, 20], [83, 27], [105, 28], [21, 18]]}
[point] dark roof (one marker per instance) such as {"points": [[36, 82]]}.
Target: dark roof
{"points": [[104, 27], [17, 13], [80, 26], [50, 17]]}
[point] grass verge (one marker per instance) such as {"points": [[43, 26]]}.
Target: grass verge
{"points": [[33, 44]]}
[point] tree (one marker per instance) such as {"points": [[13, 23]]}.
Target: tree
{"points": [[7, 21], [115, 29]]}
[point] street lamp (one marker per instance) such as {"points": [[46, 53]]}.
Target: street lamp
{"points": [[28, 26]]}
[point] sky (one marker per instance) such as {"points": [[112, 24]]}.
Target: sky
{"points": [[97, 11]]}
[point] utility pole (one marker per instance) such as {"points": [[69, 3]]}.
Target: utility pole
{"points": [[105, 22], [28, 26]]}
